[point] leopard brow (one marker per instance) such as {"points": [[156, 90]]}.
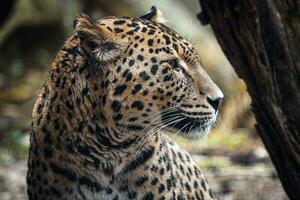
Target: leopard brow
{"points": [[170, 59]]}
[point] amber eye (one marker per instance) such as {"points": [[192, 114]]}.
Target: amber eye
{"points": [[175, 65]]}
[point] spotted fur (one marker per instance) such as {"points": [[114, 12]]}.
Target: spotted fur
{"points": [[97, 126]]}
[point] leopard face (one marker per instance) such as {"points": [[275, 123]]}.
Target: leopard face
{"points": [[151, 78]]}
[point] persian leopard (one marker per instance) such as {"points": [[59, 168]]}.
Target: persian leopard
{"points": [[97, 126]]}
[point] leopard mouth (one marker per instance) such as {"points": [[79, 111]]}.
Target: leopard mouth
{"points": [[180, 122]]}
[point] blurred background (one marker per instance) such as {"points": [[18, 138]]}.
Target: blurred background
{"points": [[32, 31]]}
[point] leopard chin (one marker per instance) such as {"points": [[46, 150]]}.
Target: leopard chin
{"points": [[198, 133], [192, 133]]}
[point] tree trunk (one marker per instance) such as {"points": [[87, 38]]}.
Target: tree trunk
{"points": [[261, 39]]}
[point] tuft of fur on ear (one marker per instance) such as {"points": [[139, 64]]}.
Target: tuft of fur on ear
{"points": [[154, 15], [88, 28], [96, 40]]}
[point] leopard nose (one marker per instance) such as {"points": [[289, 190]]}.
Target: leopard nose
{"points": [[215, 103]]}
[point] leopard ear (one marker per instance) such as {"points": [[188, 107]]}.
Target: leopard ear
{"points": [[97, 40], [154, 15]]}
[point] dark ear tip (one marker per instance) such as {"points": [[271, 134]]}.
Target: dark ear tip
{"points": [[153, 9], [149, 15]]}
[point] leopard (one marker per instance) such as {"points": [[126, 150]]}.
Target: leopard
{"points": [[100, 123]]}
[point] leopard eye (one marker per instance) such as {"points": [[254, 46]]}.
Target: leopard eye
{"points": [[175, 65]]}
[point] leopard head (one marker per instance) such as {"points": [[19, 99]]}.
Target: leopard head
{"points": [[150, 76]]}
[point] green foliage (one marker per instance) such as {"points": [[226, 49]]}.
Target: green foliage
{"points": [[13, 145], [17, 68]]}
